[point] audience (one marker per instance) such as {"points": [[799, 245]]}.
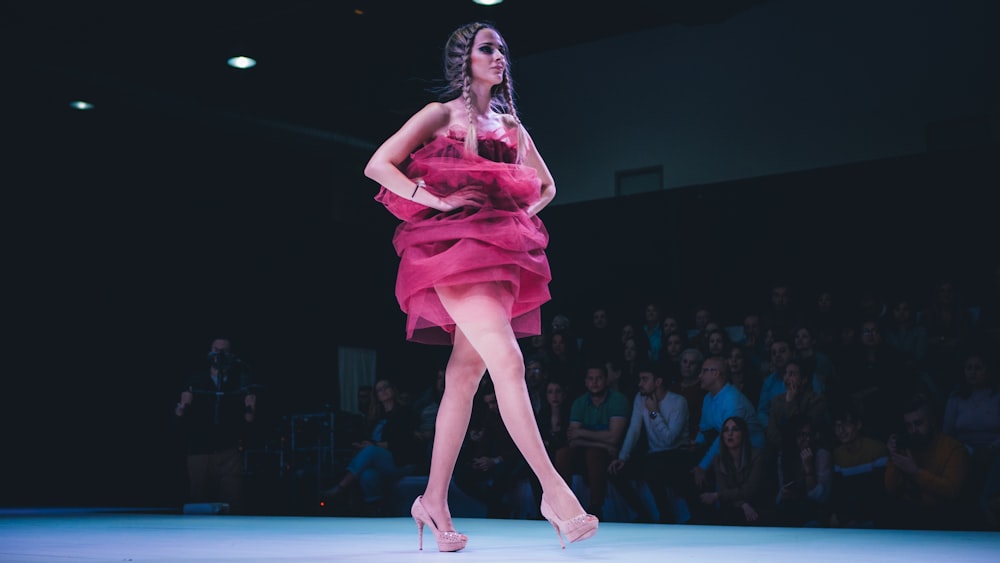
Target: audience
{"points": [[708, 427]]}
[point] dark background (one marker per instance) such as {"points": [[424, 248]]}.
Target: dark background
{"points": [[190, 205]]}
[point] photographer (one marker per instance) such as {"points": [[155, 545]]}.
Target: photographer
{"points": [[215, 414], [925, 471]]}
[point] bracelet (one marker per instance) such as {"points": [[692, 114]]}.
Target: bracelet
{"points": [[420, 184]]}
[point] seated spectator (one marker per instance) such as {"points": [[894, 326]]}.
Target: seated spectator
{"points": [[805, 474], [716, 343], [385, 457], [536, 377], [596, 428], [858, 473], [663, 417], [553, 424], [814, 362], [774, 383], [599, 341], [825, 319], [798, 399], [925, 472], [742, 374], [689, 387], [670, 359], [972, 416], [907, 336], [949, 327], [490, 466], [564, 360], [739, 496]]}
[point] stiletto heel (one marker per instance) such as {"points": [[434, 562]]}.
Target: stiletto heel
{"points": [[446, 541], [577, 528]]}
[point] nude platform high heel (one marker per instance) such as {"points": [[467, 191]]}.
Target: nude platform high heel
{"points": [[576, 529], [446, 541]]}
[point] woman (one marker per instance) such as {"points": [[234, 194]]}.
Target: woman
{"points": [[805, 473], [739, 476], [387, 455], [466, 179]]}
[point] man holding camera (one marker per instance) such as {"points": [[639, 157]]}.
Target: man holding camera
{"points": [[215, 414], [925, 471]]}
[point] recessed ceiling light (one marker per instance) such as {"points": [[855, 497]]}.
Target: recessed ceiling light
{"points": [[488, 2], [81, 105], [241, 62]]}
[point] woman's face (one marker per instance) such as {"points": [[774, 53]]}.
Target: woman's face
{"points": [[735, 361], [804, 437], [975, 372], [627, 332], [716, 344], [630, 350], [674, 345], [803, 340], [558, 344], [732, 436], [489, 57], [793, 377], [554, 394], [384, 391]]}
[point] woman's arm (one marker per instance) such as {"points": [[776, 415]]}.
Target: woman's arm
{"points": [[383, 166], [534, 160]]}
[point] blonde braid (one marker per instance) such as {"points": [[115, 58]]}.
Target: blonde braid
{"points": [[471, 143]]}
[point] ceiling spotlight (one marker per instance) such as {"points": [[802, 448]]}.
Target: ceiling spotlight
{"points": [[81, 105], [488, 2], [241, 62]]}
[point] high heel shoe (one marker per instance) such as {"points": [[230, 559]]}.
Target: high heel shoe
{"points": [[446, 541], [576, 529]]}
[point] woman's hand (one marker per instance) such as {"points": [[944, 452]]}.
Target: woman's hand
{"points": [[749, 512], [469, 196]]}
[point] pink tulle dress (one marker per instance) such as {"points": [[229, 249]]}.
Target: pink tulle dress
{"points": [[497, 243]]}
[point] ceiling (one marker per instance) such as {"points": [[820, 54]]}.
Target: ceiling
{"points": [[352, 69]]}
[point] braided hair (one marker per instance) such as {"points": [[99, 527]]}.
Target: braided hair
{"points": [[458, 78]]}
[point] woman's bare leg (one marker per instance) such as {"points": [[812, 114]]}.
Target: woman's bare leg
{"points": [[463, 374], [481, 317]]}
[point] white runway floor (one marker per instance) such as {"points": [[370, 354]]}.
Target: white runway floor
{"points": [[37, 536]]}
